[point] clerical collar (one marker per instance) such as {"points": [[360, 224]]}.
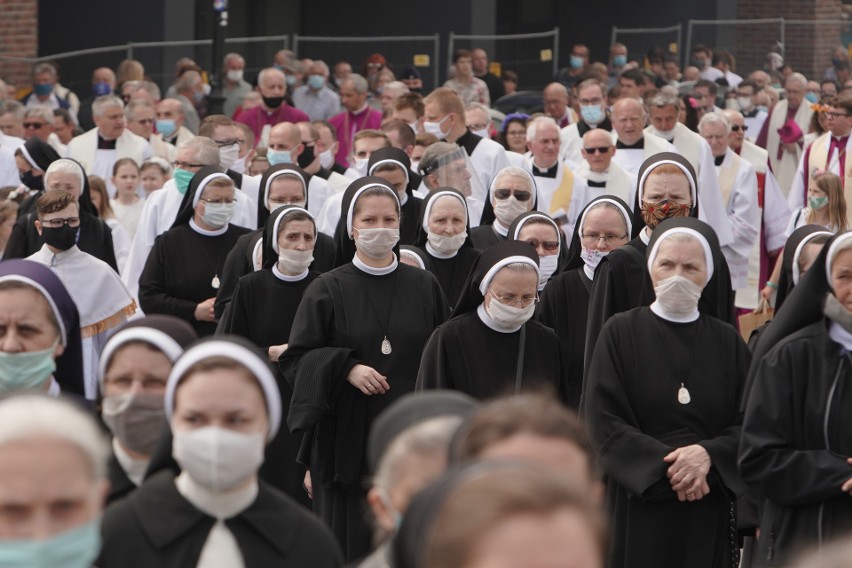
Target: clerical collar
{"points": [[645, 235], [719, 159], [498, 228], [751, 113], [660, 311], [548, 172], [601, 177], [104, 144], [840, 335], [207, 233], [134, 468], [468, 141], [490, 323], [219, 505], [840, 140], [590, 274], [360, 110], [583, 126], [363, 267], [638, 145], [437, 254], [593, 183], [287, 277]]}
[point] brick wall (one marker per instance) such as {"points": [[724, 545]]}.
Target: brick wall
{"points": [[18, 38], [807, 47]]}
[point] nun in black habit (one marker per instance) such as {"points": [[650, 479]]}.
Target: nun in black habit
{"points": [[663, 406], [565, 300], [394, 166], [797, 430], [34, 157], [541, 231], [223, 407], [512, 192], [490, 346], [243, 258], [354, 348], [94, 236], [621, 279], [444, 237], [183, 269]]}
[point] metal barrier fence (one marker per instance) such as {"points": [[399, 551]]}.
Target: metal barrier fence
{"points": [[533, 56], [421, 52], [643, 40], [748, 39]]}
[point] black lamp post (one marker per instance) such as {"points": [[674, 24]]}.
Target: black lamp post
{"points": [[217, 99]]}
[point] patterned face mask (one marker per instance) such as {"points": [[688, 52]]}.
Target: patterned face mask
{"points": [[654, 213]]}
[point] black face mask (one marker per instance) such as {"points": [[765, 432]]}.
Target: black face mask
{"points": [[62, 238], [273, 102], [31, 181], [306, 157]]}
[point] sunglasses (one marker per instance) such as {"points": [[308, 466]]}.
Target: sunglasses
{"points": [[549, 246], [34, 125], [597, 150], [507, 193], [737, 128]]}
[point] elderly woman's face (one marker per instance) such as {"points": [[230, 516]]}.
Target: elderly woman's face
{"points": [[26, 322], [841, 277], [138, 368], [674, 187], [680, 258], [447, 217], [604, 229], [64, 180], [515, 288], [222, 398], [542, 236], [46, 488]]}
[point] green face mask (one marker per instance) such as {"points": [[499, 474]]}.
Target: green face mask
{"points": [[182, 179], [817, 202], [76, 548], [27, 370]]}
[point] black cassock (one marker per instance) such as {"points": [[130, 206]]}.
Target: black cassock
{"points": [[484, 236], [564, 308], [157, 526], [452, 272], [410, 214], [466, 355], [635, 419], [262, 311], [179, 272], [342, 319], [797, 434]]}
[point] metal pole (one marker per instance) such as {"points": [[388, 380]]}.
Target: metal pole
{"points": [[555, 52], [436, 65], [614, 35], [679, 32], [295, 43], [220, 26], [450, 50], [783, 37], [129, 50], [686, 46]]}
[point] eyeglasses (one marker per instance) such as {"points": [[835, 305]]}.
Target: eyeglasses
{"points": [[737, 128], [608, 239], [507, 193], [591, 102], [72, 222], [549, 246], [186, 165], [228, 142], [34, 125], [145, 121], [597, 150], [479, 126], [833, 114], [218, 201], [513, 300]]}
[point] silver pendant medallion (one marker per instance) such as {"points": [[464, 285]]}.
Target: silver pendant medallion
{"points": [[215, 282], [683, 395], [386, 347]]}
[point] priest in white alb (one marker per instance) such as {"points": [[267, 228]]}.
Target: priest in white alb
{"points": [[633, 144], [603, 176], [592, 98]]}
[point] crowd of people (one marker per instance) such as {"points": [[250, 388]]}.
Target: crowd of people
{"points": [[332, 318]]}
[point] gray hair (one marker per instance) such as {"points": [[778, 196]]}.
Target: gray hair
{"points": [[187, 81], [100, 104], [322, 65], [66, 166], [715, 118], [663, 99], [532, 126], [151, 88], [479, 106], [797, 77], [396, 86], [29, 416], [130, 109], [15, 108], [264, 73], [204, 149], [40, 68], [230, 56], [516, 172], [359, 83], [40, 111]]}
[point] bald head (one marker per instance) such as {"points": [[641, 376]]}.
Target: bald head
{"points": [[555, 100], [286, 132], [598, 149], [628, 120]]}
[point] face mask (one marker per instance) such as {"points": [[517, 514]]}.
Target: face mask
{"points": [[235, 75], [275, 157], [43, 89], [546, 269], [677, 295], [667, 134], [654, 213], [136, 419], [745, 103], [228, 155], [62, 238], [291, 80], [361, 166], [435, 128], [197, 96], [166, 126], [217, 215], [415, 165], [31, 181], [700, 63], [444, 244], [592, 257], [811, 97], [26, 370], [483, 133], [415, 126], [182, 179], [101, 88], [338, 81], [507, 210], [326, 159], [619, 60], [508, 317], [296, 261], [316, 82], [239, 165], [376, 243], [306, 158], [577, 62], [76, 548], [218, 458], [273, 102], [817, 202], [592, 114], [762, 108]]}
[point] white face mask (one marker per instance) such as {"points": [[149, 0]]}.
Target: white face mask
{"points": [[217, 458], [508, 317], [361, 166], [435, 128], [326, 159], [667, 134], [235, 75], [239, 165], [547, 266], [446, 245], [295, 261], [483, 133], [592, 257], [507, 210], [415, 166], [745, 103], [228, 155], [376, 243], [678, 295], [217, 215]]}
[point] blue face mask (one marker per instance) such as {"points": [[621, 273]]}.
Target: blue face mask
{"points": [[811, 97], [26, 370], [182, 179], [101, 88], [592, 114], [291, 80], [577, 62], [43, 89], [76, 548], [166, 126], [619, 60], [275, 157], [316, 82], [762, 108]]}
